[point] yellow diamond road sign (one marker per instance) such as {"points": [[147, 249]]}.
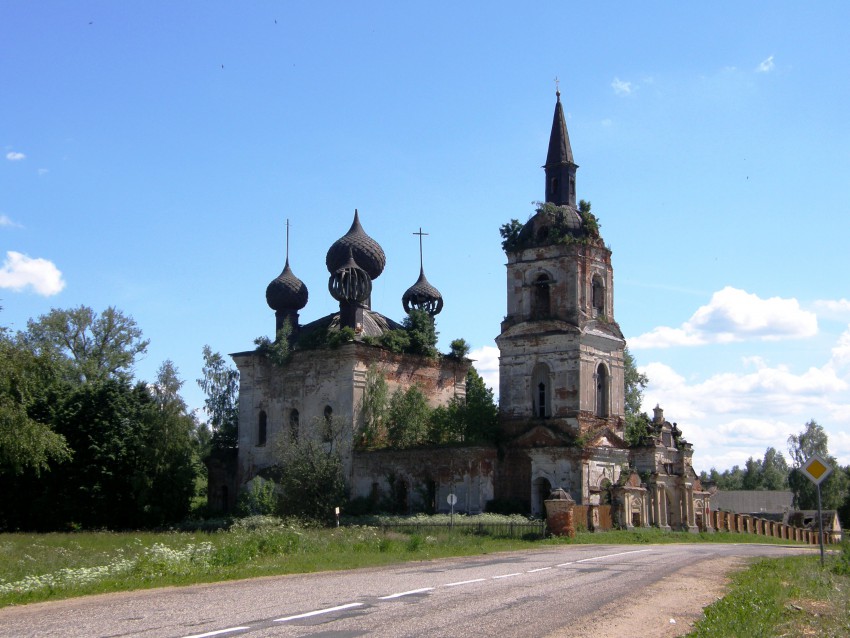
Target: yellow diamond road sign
{"points": [[816, 469]]}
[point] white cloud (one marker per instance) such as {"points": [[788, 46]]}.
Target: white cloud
{"points": [[14, 156], [734, 315], [833, 308], [486, 361], [765, 66], [620, 87], [8, 222], [43, 171], [841, 351], [732, 415], [20, 271]]}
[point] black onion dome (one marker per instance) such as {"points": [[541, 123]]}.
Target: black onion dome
{"points": [[366, 251], [350, 283], [422, 296], [286, 291]]}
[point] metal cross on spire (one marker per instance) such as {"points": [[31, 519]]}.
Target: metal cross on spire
{"points": [[557, 86], [287, 240], [420, 233]]}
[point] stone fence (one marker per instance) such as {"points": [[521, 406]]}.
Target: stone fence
{"points": [[746, 524]]}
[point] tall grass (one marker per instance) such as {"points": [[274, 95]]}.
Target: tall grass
{"points": [[783, 597], [46, 566], [42, 567]]}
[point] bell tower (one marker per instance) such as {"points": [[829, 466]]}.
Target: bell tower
{"points": [[561, 350]]}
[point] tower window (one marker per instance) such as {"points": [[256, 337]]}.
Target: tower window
{"points": [[597, 296], [327, 435], [540, 297], [293, 423], [541, 400], [541, 387], [262, 432], [602, 390]]}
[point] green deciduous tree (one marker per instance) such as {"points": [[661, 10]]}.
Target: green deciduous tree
{"points": [[480, 414], [26, 443], [407, 418], [310, 471], [94, 347], [220, 383], [373, 409], [423, 334], [814, 440], [637, 422]]}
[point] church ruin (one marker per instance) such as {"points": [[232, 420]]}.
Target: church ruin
{"points": [[561, 387]]}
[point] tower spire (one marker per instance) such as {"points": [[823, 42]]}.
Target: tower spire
{"points": [[560, 167]]}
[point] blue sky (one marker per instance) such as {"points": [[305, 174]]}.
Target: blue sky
{"points": [[152, 151]]}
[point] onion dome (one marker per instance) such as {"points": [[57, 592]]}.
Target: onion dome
{"points": [[365, 251], [286, 291], [350, 283], [422, 296]]}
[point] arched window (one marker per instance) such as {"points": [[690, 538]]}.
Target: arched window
{"points": [[293, 423], [541, 307], [327, 435], [262, 428], [541, 389], [598, 296], [601, 390]]}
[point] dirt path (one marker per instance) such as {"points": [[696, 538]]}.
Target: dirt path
{"points": [[667, 609]]}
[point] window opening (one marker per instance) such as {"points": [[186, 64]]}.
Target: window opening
{"points": [[541, 298], [262, 428], [601, 391], [293, 423], [598, 296]]}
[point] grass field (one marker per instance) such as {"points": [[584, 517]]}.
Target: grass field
{"points": [[784, 597]]}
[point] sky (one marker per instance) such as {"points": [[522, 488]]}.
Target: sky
{"points": [[151, 153]]}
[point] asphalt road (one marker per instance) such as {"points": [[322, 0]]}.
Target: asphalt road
{"points": [[508, 594]]}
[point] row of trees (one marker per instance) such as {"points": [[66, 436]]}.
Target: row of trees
{"points": [[404, 419], [82, 442], [773, 472]]}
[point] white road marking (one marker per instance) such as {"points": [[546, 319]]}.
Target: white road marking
{"points": [[217, 632], [465, 582], [565, 564], [508, 575], [635, 551], [319, 611], [406, 593], [539, 569]]}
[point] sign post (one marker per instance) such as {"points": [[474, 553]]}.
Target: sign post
{"points": [[451, 499], [816, 469]]}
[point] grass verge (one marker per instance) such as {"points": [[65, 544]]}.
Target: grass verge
{"points": [[784, 597], [37, 567]]}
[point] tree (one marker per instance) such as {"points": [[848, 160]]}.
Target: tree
{"points": [[94, 347], [459, 348], [637, 422], [423, 334], [220, 382], [480, 412], [132, 463], [310, 471], [510, 234], [774, 470], [373, 409], [408, 418], [25, 442], [814, 440]]}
